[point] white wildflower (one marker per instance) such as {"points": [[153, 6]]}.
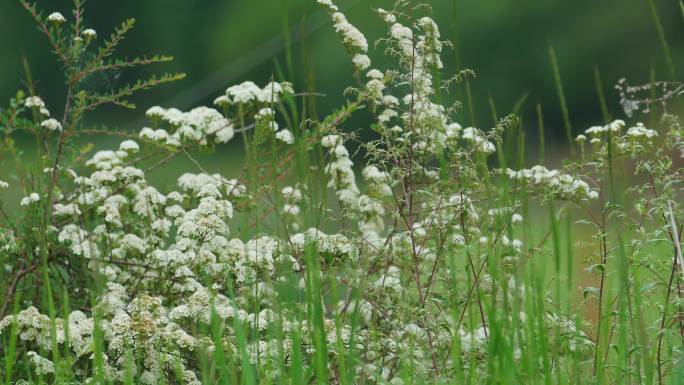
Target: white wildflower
{"points": [[34, 101], [375, 74], [248, 91], [516, 218], [328, 3], [89, 33], [616, 125], [596, 130], [292, 194], [51, 124], [291, 209], [350, 34], [640, 131], [375, 88], [134, 243], [222, 101], [481, 143], [129, 146], [565, 185], [361, 61], [66, 210], [31, 198], [387, 16], [225, 134], [155, 112], [285, 135], [43, 365], [56, 17]]}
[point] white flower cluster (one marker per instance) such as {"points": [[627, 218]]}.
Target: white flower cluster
{"points": [[285, 136], [30, 199], [596, 133], [249, 92], [169, 244], [66, 209], [56, 17], [640, 131], [616, 126], [563, 186], [354, 40], [333, 245], [250, 98], [342, 177], [415, 118], [293, 196], [89, 33], [633, 142], [37, 102], [80, 243], [51, 125], [42, 364], [201, 125], [370, 206], [479, 141]]}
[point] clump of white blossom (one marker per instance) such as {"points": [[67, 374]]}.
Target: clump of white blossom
{"points": [[89, 33], [52, 125], [56, 17], [564, 186], [201, 125]]}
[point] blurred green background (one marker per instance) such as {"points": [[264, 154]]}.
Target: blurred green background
{"points": [[222, 42]]}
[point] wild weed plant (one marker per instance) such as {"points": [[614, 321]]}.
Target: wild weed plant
{"points": [[426, 261]]}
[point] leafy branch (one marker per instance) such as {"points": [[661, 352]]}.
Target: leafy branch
{"points": [[116, 97]]}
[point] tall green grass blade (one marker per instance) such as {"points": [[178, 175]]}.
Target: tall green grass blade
{"points": [[662, 38], [10, 342], [471, 104], [601, 95], [561, 96], [652, 95], [316, 315], [540, 127], [285, 21], [520, 102]]}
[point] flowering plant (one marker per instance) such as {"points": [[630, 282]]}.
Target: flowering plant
{"points": [[424, 264]]}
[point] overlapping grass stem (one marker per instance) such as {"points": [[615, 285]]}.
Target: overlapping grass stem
{"points": [[432, 253]]}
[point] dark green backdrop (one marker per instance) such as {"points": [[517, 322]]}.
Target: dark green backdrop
{"points": [[219, 42]]}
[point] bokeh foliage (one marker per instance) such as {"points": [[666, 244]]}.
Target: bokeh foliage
{"points": [[219, 42]]}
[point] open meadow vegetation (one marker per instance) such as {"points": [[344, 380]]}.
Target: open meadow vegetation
{"points": [[415, 250]]}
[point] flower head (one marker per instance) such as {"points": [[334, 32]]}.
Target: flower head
{"points": [[89, 33], [56, 18], [285, 136], [51, 124]]}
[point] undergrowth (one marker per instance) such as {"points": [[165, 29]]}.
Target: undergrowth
{"points": [[437, 256]]}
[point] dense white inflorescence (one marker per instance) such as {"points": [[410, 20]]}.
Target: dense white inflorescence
{"points": [[89, 33], [353, 39], [56, 17], [563, 186], [52, 125], [201, 125], [30, 199]]}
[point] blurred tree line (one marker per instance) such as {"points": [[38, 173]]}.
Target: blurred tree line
{"points": [[221, 42]]}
